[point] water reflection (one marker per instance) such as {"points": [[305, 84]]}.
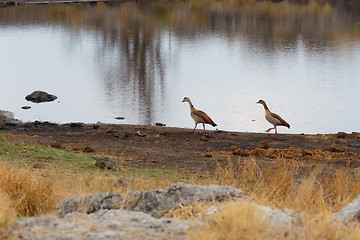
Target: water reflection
{"points": [[138, 70], [147, 56]]}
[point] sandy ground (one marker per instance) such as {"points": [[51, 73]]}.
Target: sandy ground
{"points": [[183, 150]]}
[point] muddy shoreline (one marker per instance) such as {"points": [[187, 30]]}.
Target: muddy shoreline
{"points": [[180, 149], [4, 3]]}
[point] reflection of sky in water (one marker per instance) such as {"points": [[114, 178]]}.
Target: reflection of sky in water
{"points": [[315, 91], [34, 59]]}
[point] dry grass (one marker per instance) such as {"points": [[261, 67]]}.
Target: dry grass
{"points": [[240, 221], [245, 221], [32, 192], [29, 192], [7, 212], [192, 211], [105, 181], [282, 185], [316, 197]]}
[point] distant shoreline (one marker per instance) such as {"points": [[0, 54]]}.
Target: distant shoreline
{"points": [[24, 2]]}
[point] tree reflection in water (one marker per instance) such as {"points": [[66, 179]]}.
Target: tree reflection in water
{"points": [[132, 55]]}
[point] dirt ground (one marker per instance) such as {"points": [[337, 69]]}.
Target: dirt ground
{"points": [[183, 150]]}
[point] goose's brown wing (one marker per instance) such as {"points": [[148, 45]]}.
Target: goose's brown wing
{"points": [[283, 122], [204, 116]]}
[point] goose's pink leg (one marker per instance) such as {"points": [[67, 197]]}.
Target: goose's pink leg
{"points": [[269, 129], [194, 127]]}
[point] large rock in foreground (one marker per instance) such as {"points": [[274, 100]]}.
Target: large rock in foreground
{"points": [[40, 96], [349, 213], [104, 224], [152, 202], [89, 204], [113, 216], [180, 194]]}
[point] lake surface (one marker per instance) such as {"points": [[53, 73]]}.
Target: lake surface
{"points": [[139, 60]]}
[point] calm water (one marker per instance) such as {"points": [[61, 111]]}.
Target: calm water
{"points": [[139, 60]]}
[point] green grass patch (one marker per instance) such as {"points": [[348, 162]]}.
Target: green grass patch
{"points": [[63, 162], [25, 155], [170, 175]]}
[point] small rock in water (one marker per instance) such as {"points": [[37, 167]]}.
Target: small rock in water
{"points": [[160, 124], [25, 107], [120, 118], [40, 96]]}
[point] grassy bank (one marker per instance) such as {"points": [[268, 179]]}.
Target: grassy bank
{"points": [[28, 191]]}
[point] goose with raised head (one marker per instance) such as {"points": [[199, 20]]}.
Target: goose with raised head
{"points": [[198, 115], [273, 118]]}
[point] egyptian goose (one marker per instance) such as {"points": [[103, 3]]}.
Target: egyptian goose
{"points": [[198, 116], [273, 118]]}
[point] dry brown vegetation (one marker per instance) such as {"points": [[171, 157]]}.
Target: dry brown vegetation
{"points": [[7, 212], [316, 196], [245, 221], [29, 192], [278, 186]]}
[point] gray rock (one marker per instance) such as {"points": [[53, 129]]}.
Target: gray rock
{"points": [[284, 217], [7, 120], [277, 218], [104, 224], [153, 202], [107, 163], [40, 96], [178, 194], [349, 213], [88, 204], [95, 217]]}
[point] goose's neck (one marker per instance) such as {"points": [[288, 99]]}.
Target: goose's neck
{"points": [[265, 106], [191, 105]]}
